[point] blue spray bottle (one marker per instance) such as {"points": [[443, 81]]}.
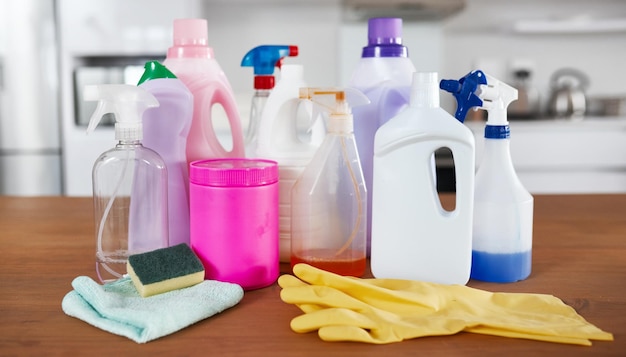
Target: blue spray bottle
{"points": [[263, 59], [503, 208]]}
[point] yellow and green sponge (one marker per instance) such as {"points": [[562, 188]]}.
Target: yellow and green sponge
{"points": [[165, 269]]}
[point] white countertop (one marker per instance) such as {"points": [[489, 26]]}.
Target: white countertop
{"points": [[566, 156]]}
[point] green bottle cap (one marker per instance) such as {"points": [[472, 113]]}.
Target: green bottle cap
{"points": [[155, 70]]}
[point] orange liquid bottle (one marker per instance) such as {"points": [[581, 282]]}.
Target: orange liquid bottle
{"points": [[350, 263], [329, 200]]}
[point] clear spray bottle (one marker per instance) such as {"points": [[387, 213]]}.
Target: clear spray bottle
{"points": [[329, 199], [129, 182], [503, 208]]}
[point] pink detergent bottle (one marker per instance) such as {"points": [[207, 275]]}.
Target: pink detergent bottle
{"points": [[165, 130], [193, 62]]}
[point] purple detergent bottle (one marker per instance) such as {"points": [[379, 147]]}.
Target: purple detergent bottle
{"points": [[384, 75], [165, 130]]}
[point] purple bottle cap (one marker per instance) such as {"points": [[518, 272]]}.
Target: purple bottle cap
{"points": [[384, 38]]}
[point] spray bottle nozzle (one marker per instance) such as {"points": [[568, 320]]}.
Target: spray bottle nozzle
{"points": [[496, 96], [264, 59], [126, 102], [464, 90], [337, 103]]}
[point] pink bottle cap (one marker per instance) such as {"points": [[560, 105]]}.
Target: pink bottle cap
{"points": [[191, 32], [233, 172], [191, 39]]}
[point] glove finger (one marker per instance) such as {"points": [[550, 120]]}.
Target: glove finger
{"points": [[331, 317], [349, 333], [374, 295], [287, 281], [322, 296], [539, 314], [309, 308], [486, 330]]}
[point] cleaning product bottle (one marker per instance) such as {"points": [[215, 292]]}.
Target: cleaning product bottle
{"points": [[384, 75], [263, 59], [234, 219], [280, 139], [503, 208], [413, 236], [328, 201], [193, 62], [165, 130], [129, 182]]}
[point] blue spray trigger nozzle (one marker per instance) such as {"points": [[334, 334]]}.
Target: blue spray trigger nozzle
{"points": [[464, 90], [265, 58]]}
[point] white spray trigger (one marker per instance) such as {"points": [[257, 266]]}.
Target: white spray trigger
{"points": [[496, 96], [126, 102]]}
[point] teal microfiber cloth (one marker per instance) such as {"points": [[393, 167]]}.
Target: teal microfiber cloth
{"points": [[118, 308]]}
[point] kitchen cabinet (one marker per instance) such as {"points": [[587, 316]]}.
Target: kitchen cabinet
{"points": [[566, 156]]}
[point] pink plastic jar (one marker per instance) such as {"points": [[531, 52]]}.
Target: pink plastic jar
{"points": [[234, 219]]}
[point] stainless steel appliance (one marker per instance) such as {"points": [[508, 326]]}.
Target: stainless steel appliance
{"points": [[568, 98], [30, 149], [104, 42]]}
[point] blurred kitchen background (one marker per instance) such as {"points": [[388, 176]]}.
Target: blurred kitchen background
{"points": [[567, 57]]}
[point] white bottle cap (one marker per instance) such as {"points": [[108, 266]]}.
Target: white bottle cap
{"points": [[425, 90]]}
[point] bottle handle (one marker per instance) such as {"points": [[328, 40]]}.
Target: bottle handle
{"points": [[218, 93], [221, 95], [464, 165], [282, 135]]}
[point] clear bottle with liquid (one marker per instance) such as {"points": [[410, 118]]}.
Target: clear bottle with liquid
{"points": [[503, 208], [329, 198]]}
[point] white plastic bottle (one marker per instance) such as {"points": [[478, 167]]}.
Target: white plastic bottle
{"points": [[263, 59], [165, 131], [193, 62], [129, 183], [413, 236], [503, 208], [279, 140], [329, 199], [384, 75]]}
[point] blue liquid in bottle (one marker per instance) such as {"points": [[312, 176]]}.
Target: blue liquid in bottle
{"points": [[500, 268]]}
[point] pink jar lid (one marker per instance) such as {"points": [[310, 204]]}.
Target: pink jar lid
{"points": [[233, 172]]}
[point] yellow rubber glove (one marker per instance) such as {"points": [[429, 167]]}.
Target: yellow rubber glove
{"points": [[387, 310]]}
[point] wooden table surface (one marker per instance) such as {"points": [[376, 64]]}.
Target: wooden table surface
{"points": [[579, 255]]}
